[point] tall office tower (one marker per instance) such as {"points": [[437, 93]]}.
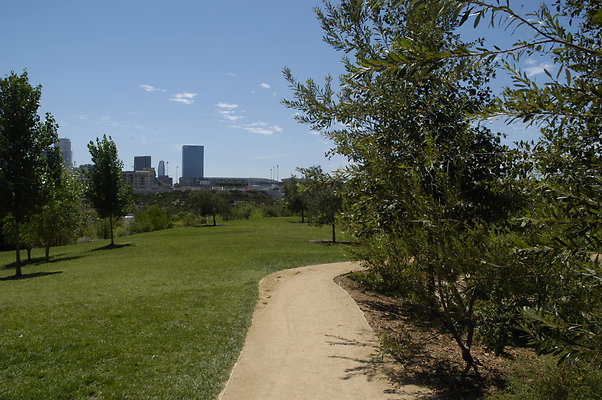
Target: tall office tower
{"points": [[64, 146], [142, 163], [193, 158], [161, 168]]}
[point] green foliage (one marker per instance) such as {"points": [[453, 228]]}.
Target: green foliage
{"points": [[426, 190], [186, 219], [294, 198], [106, 190], [210, 203], [276, 210], [497, 317], [323, 196], [57, 222], [151, 219], [543, 379], [429, 193], [103, 228], [241, 211], [23, 141]]}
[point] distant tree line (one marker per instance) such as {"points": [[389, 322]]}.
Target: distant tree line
{"points": [[43, 203]]}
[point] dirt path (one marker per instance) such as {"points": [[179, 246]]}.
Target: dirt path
{"points": [[309, 340]]}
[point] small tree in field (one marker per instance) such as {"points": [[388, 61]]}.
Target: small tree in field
{"points": [[106, 190], [210, 203], [23, 141], [324, 199], [294, 198], [57, 220]]}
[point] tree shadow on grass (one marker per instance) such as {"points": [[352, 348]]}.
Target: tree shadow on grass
{"points": [[40, 261], [29, 276], [113, 246], [330, 242]]}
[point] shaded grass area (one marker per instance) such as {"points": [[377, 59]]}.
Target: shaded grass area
{"points": [[162, 315]]}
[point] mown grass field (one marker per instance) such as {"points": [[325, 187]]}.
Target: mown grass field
{"points": [[162, 317]]}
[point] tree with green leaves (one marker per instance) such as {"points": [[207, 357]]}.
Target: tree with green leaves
{"points": [[210, 203], [24, 139], [425, 189], [106, 190], [294, 198], [566, 162], [56, 222], [323, 192]]}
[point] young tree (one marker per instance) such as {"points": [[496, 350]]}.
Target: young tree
{"points": [[24, 138], [425, 187], [324, 196], [106, 190], [210, 203], [56, 222], [294, 198]]}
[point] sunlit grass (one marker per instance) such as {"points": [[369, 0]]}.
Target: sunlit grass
{"points": [[163, 317]]}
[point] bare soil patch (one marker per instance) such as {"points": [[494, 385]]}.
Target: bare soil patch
{"points": [[425, 355]]}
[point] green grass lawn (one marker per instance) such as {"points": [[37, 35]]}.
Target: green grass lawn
{"points": [[163, 317]]}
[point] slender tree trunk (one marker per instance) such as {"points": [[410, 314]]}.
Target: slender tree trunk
{"points": [[302, 216], [334, 236], [214, 221], [456, 331], [47, 251], [18, 249], [111, 227], [28, 253]]}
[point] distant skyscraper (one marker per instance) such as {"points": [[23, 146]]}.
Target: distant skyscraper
{"points": [[64, 146], [142, 163], [193, 158], [161, 168]]}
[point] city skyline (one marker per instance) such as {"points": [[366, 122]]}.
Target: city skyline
{"points": [[165, 75]]}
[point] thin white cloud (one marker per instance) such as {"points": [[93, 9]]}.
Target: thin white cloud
{"points": [[259, 127], [228, 111], [184, 98], [265, 85], [230, 116], [227, 106], [232, 74], [150, 88], [537, 69]]}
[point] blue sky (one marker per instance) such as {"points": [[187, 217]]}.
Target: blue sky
{"points": [[156, 75]]}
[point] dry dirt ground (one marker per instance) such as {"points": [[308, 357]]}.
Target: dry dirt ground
{"points": [[425, 354], [309, 340]]}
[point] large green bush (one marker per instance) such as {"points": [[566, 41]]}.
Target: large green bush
{"points": [[153, 218]]}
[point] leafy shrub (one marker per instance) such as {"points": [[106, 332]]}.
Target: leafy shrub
{"points": [[496, 321], [187, 219], [546, 380], [243, 211], [102, 228], [153, 218], [273, 210]]}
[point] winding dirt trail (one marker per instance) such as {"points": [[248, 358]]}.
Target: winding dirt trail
{"points": [[309, 340]]}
